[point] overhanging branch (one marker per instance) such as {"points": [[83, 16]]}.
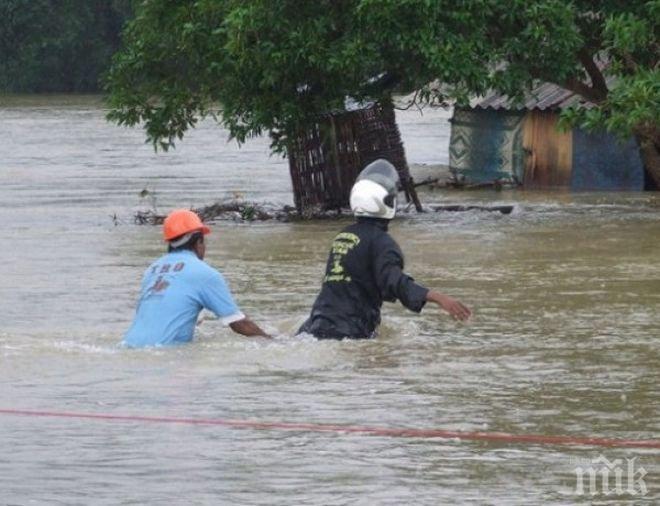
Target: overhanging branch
{"points": [[582, 89], [598, 84]]}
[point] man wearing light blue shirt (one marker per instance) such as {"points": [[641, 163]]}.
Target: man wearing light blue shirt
{"points": [[177, 286]]}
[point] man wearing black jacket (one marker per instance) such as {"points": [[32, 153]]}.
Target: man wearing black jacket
{"points": [[365, 266]]}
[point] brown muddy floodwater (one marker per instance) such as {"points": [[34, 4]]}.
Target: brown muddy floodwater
{"points": [[564, 340]]}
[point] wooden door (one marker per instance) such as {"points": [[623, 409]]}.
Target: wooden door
{"points": [[549, 151]]}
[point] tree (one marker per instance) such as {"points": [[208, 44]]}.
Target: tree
{"points": [[274, 66], [628, 88], [606, 52], [58, 45]]}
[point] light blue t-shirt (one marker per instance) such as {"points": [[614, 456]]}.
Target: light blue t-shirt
{"points": [[175, 288]]}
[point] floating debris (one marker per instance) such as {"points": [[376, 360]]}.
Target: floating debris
{"points": [[250, 212], [243, 211], [506, 209]]}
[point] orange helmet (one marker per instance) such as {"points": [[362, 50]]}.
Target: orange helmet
{"points": [[181, 222]]}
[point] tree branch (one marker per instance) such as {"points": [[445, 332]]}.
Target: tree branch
{"points": [[577, 86], [412, 102], [598, 83]]}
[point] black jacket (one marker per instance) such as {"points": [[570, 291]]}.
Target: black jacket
{"points": [[365, 268]]}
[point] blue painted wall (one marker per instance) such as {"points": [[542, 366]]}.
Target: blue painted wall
{"points": [[602, 162]]}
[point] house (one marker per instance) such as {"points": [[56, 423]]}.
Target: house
{"points": [[497, 140]]}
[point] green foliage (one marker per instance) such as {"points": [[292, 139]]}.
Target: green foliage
{"points": [[633, 104], [167, 74], [631, 42], [58, 45], [276, 66]]}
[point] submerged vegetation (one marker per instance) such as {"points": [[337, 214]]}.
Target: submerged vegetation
{"points": [[249, 211]]}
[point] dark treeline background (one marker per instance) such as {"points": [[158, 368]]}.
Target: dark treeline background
{"points": [[58, 45]]}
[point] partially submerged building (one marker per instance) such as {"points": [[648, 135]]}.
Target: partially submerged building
{"points": [[495, 140]]}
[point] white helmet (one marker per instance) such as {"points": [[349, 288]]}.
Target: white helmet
{"points": [[374, 191]]}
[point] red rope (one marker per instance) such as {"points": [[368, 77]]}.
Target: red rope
{"points": [[356, 429]]}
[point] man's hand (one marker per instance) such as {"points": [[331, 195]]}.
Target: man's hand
{"points": [[247, 327], [456, 309]]}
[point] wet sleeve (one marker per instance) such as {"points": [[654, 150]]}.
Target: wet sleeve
{"points": [[393, 283], [216, 297]]}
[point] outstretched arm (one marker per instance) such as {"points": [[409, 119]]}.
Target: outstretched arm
{"points": [[216, 296], [247, 327], [395, 284], [456, 309]]}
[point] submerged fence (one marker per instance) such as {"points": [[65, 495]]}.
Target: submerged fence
{"points": [[325, 160]]}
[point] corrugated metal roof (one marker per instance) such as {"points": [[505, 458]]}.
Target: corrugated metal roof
{"points": [[544, 96]]}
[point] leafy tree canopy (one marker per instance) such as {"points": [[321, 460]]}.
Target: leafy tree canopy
{"points": [[276, 65]]}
